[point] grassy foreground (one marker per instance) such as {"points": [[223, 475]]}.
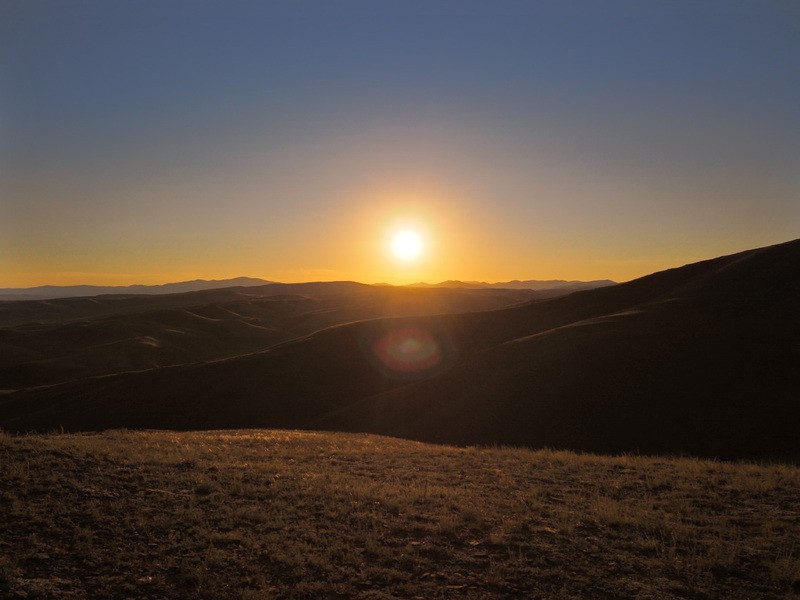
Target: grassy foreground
{"points": [[284, 514]]}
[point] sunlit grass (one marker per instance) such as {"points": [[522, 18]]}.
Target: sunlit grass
{"points": [[262, 514]]}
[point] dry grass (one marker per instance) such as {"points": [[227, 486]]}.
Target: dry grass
{"points": [[281, 514]]}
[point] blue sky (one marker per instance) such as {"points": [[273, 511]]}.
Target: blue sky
{"points": [[147, 141]]}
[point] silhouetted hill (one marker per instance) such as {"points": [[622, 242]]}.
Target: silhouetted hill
{"points": [[44, 292], [699, 359], [553, 287], [450, 283], [50, 292]]}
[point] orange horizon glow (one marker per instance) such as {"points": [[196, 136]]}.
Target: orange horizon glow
{"points": [[620, 273], [459, 237], [526, 142]]}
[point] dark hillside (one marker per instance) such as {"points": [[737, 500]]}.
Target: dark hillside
{"points": [[202, 326], [703, 361], [699, 359], [60, 310]]}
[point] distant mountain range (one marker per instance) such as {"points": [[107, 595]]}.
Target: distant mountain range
{"points": [[700, 359], [530, 284], [44, 292]]}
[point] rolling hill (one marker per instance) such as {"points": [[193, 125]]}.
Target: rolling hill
{"points": [[699, 359], [47, 342]]}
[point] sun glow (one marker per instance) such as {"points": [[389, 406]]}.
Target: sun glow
{"points": [[407, 245]]}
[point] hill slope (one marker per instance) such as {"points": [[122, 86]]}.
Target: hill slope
{"points": [[700, 359], [79, 338], [285, 514]]}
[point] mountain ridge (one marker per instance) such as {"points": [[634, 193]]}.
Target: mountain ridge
{"points": [[516, 284], [45, 292]]}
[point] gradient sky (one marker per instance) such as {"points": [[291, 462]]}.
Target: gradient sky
{"points": [[146, 141]]}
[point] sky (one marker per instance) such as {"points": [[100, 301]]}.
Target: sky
{"points": [[151, 141]]}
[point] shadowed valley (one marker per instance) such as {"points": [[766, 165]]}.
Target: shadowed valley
{"points": [[57, 340]]}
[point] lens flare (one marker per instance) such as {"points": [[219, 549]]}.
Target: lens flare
{"points": [[408, 349]]}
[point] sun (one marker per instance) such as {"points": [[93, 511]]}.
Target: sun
{"points": [[407, 244]]}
